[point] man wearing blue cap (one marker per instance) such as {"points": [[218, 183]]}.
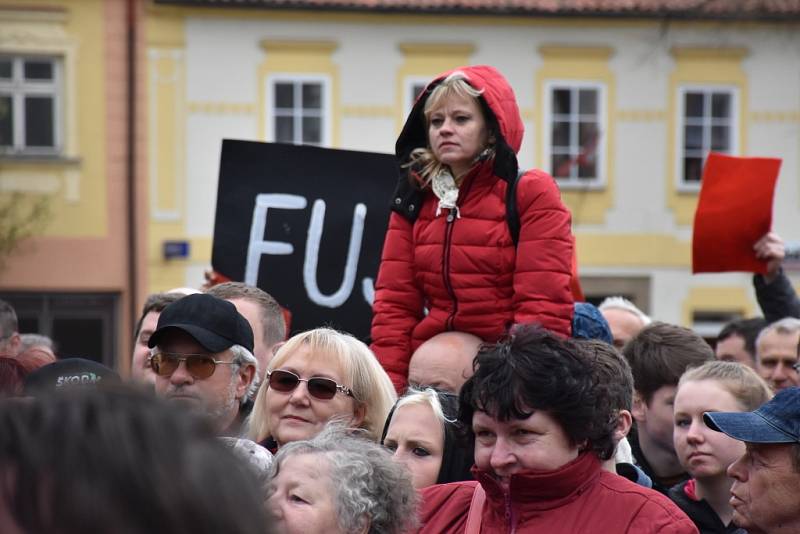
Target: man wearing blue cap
{"points": [[203, 358], [766, 490]]}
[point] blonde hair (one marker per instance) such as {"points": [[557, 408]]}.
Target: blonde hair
{"points": [[739, 380], [423, 159], [372, 389]]}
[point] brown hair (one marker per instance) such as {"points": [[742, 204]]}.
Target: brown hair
{"points": [[661, 353], [612, 372], [155, 303], [272, 321]]}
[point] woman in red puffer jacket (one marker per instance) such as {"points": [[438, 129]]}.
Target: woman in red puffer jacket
{"points": [[542, 422], [449, 261]]}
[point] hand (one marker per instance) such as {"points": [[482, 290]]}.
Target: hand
{"points": [[212, 278], [770, 248]]}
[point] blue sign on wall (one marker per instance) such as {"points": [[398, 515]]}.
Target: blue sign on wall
{"points": [[175, 250]]}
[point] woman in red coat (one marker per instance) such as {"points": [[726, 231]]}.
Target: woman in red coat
{"points": [[542, 423], [449, 260]]}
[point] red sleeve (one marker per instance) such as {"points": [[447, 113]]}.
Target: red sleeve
{"points": [[661, 517], [398, 302], [543, 270]]}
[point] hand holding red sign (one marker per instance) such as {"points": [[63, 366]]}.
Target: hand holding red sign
{"points": [[734, 211]]}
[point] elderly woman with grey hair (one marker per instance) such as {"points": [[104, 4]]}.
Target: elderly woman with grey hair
{"points": [[340, 483]]}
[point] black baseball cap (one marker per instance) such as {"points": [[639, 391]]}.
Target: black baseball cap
{"points": [[67, 374], [212, 322], [777, 421]]}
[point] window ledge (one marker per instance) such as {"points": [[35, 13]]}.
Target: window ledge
{"points": [[576, 186], [688, 188], [39, 159]]}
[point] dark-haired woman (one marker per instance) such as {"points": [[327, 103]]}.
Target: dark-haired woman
{"points": [[541, 430]]}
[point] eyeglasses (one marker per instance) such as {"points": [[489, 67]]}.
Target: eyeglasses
{"points": [[318, 387], [199, 365]]}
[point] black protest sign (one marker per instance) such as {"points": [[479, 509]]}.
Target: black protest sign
{"points": [[306, 225]]}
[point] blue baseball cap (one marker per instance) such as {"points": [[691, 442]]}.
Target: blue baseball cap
{"points": [[777, 421]]}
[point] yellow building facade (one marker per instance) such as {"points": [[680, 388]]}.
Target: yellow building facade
{"points": [[64, 75], [632, 221]]}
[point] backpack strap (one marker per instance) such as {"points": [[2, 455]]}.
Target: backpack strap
{"points": [[475, 516], [512, 215]]}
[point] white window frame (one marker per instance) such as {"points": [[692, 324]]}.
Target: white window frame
{"points": [[681, 184], [599, 182], [408, 91], [325, 113], [18, 88]]}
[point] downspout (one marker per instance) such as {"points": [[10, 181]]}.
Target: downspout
{"points": [[133, 289]]}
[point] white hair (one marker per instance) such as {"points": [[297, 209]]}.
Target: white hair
{"points": [[785, 326], [369, 488], [621, 303], [243, 356], [34, 340], [426, 397]]}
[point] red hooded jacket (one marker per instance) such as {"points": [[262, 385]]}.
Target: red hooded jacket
{"points": [[466, 271]]}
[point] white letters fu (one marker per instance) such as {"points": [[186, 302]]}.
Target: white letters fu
{"points": [[258, 246]]}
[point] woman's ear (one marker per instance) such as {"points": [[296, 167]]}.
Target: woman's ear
{"points": [[359, 414]]}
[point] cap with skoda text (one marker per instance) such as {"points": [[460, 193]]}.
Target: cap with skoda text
{"points": [[69, 373], [777, 421], [212, 322]]}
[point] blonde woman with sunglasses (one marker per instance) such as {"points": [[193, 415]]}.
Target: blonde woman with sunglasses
{"points": [[315, 377]]}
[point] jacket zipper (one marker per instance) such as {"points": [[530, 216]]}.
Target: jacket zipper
{"points": [[448, 236], [511, 520]]}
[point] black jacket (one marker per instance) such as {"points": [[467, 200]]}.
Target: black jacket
{"points": [[704, 517], [778, 299]]}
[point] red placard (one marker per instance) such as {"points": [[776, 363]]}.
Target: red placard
{"points": [[733, 212]]}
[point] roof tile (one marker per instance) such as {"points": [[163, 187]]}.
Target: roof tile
{"points": [[777, 10]]}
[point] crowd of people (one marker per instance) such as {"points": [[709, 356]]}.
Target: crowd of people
{"points": [[488, 400]]}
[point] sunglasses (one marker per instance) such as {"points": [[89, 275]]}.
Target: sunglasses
{"points": [[318, 387], [199, 365]]}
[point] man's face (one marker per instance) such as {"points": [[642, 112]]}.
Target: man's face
{"points": [[217, 396], [624, 325], [261, 351], [10, 344], [140, 366], [732, 349], [435, 366], [764, 495], [776, 354], [655, 421]]}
